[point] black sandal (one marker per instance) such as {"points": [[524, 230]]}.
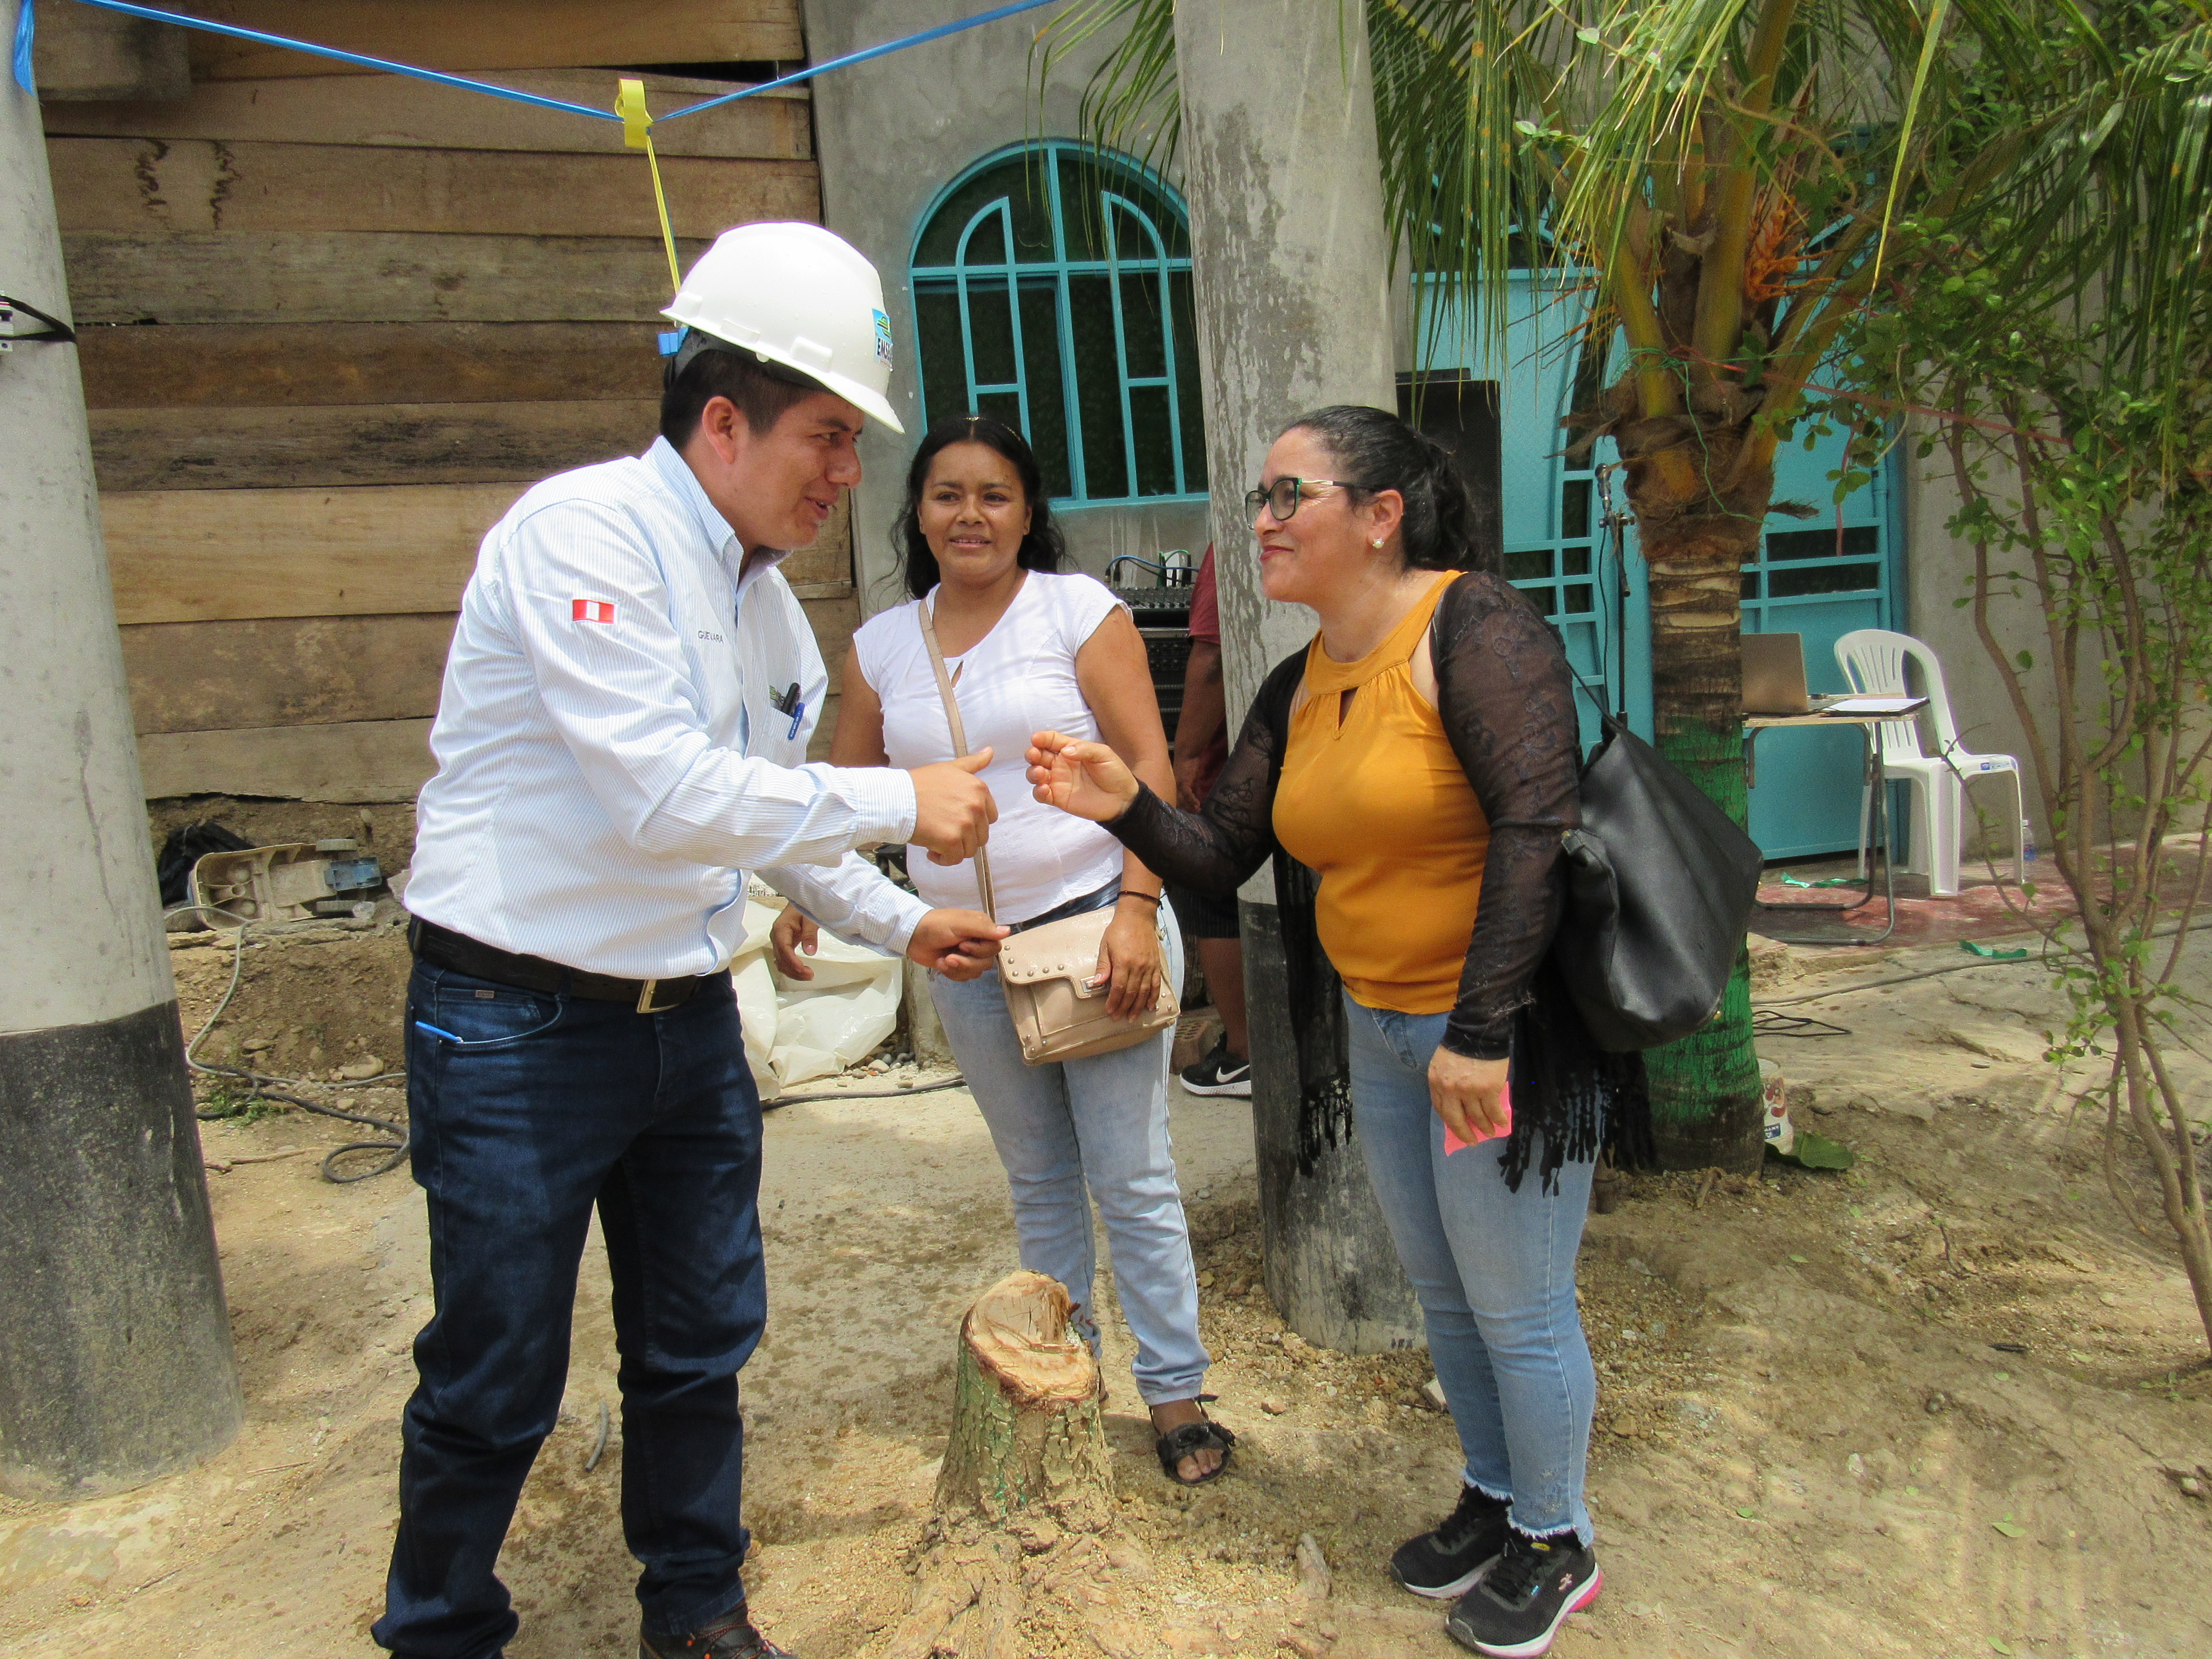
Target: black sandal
{"points": [[1183, 1442]]}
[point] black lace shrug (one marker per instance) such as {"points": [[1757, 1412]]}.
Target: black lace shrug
{"points": [[1506, 697]]}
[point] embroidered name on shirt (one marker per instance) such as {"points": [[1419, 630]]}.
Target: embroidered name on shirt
{"points": [[597, 611]]}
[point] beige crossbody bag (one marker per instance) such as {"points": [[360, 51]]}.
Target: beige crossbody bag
{"points": [[1045, 970]]}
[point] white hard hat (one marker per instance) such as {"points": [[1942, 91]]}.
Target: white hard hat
{"points": [[801, 296]]}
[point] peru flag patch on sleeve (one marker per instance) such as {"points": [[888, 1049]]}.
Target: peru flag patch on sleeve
{"points": [[598, 611]]}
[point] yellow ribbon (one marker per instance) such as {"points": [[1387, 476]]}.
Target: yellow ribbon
{"points": [[637, 133]]}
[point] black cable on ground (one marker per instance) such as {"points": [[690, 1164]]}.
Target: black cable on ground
{"points": [[955, 1081], [395, 1149], [394, 1144], [1768, 1022]]}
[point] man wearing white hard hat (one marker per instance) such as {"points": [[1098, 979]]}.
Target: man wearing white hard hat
{"points": [[621, 738]]}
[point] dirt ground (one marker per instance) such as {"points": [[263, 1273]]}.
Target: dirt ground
{"points": [[1950, 1403]]}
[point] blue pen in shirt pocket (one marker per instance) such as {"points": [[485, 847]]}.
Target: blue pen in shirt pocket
{"points": [[788, 701]]}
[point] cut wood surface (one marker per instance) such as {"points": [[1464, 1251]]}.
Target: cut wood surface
{"points": [[157, 184], [373, 760], [325, 364], [373, 276], [1026, 1426], [292, 671], [218, 554], [146, 449], [482, 34], [80, 53], [393, 110]]}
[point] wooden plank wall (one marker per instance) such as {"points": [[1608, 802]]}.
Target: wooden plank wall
{"points": [[333, 324]]}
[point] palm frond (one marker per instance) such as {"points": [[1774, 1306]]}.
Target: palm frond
{"points": [[1723, 175], [1130, 97]]}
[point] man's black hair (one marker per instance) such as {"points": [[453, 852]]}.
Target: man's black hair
{"points": [[762, 390]]}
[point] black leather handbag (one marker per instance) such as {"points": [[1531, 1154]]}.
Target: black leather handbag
{"points": [[1660, 884]]}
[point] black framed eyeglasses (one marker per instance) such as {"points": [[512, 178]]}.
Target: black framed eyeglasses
{"points": [[1282, 497]]}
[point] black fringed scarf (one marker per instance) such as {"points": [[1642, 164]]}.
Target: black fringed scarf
{"points": [[1578, 1099]]}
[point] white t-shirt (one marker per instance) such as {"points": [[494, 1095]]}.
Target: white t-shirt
{"points": [[1017, 680]]}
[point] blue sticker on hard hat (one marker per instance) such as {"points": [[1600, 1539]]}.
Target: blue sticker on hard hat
{"points": [[882, 339]]}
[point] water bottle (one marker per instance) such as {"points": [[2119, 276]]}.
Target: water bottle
{"points": [[2027, 846]]}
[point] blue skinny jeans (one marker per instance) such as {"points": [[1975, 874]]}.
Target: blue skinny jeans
{"points": [[1494, 1271]]}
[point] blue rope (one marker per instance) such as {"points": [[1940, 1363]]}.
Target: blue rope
{"points": [[25, 25], [862, 56]]}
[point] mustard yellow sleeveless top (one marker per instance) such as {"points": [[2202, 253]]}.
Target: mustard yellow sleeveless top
{"points": [[1374, 801]]}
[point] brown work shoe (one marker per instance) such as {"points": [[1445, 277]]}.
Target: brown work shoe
{"points": [[729, 1637]]}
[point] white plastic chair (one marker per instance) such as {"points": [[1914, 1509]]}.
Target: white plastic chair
{"points": [[1873, 660]]}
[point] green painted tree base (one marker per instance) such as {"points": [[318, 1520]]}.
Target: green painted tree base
{"points": [[1027, 1435], [1706, 1108]]}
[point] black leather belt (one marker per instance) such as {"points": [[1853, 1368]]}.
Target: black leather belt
{"points": [[441, 947]]}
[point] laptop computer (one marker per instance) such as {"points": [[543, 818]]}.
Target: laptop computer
{"points": [[1774, 676]]}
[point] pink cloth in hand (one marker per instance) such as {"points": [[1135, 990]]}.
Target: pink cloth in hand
{"points": [[1453, 1144]]}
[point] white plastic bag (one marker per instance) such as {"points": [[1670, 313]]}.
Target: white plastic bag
{"points": [[797, 1030]]}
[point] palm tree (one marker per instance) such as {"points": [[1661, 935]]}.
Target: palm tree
{"points": [[1718, 179]]}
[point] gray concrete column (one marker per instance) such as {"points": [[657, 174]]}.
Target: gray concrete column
{"points": [[1291, 263], [115, 1352]]}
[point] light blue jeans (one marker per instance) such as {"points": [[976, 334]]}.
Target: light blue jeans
{"points": [[1100, 1122], [1495, 1273]]}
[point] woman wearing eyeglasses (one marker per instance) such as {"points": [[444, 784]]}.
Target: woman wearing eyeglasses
{"points": [[1412, 772]]}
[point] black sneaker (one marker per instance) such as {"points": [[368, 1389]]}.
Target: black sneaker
{"points": [[729, 1637], [1517, 1607], [1445, 1563], [1218, 1074]]}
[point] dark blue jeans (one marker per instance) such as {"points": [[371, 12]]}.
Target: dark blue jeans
{"points": [[536, 1108]]}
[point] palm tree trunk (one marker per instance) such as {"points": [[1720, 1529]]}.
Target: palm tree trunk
{"points": [[1704, 1089]]}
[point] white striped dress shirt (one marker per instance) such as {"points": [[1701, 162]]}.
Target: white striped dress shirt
{"points": [[616, 745]]}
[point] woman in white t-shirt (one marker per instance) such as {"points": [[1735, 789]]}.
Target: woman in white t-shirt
{"points": [[1032, 647]]}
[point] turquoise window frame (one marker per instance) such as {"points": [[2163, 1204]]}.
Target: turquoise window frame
{"points": [[964, 276]]}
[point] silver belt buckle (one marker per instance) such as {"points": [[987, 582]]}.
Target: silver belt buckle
{"points": [[645, 997]]}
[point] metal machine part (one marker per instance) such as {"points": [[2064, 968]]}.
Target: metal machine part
{"points": [[294, 882]]}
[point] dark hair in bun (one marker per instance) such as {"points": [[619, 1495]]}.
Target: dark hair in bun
{"points": [[1377, 450]]}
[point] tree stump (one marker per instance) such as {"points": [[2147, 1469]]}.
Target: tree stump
{"points": [[1027, 1430]]}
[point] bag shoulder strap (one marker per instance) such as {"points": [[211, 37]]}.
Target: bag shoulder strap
{"points": [[959, 735], [1608, 722]]}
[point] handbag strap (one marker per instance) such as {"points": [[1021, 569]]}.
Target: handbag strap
{"points": [[959, 735], [1608, 722]]}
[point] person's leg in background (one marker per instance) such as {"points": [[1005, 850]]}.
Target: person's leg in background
{"points": [[1227, 1068], [681, 1216], [1224, 962]]}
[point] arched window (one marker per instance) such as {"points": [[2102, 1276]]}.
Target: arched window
{"points": [[1052, 290]]}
